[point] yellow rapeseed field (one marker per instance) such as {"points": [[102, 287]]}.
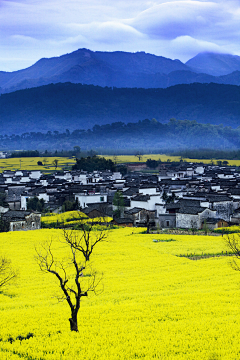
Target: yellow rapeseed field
{"points": [[155, 305], [131, 158], [30, 163], [63, 162], [71, 218], [63, 217], [228, 229]]}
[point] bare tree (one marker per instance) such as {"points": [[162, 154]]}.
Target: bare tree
{"points": [[76, 277], [7, 273], [55, 163], [139, 155], [74, 273], [45, 161], [232, 241], [85, 240]]}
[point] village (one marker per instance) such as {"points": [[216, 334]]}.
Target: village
{"points": [[187, 196]]}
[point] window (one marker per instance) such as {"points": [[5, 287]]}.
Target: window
{"points": [[167, 223], [101, 198]]}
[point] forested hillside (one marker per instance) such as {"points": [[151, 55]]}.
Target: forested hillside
{"points": [[147, 135], [57, 107]]}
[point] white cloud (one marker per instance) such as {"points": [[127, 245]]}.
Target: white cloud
{"points": [[30, 29], [179, 18], [183, 45], [107, 32]]}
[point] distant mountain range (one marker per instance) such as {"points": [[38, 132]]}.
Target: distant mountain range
{"points": [[214, 64], [57, 107], [86, 89], [124, 69]]}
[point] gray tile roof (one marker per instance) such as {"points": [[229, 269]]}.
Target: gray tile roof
{"points": [[131, 191], [122, 220], [218, 198], [15, 215], [134, 210], [191, 210], [141, 198]]}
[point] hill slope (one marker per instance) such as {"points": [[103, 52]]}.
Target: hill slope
{"points": [[86, 66], [75, 106], [124, 69], [214, 64], [149, 135]]}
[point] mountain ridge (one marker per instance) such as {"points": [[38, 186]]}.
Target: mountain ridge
{"points": [[113, 61], [56, 107], [214, 64], [121, 69]]}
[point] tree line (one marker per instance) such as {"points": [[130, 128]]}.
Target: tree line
{"points": [[147, 135], [66, 105]]}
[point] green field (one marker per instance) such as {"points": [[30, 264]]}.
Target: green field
{"points": [[154, 304]]}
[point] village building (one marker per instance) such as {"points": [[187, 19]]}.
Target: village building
{"points": [[22, 220], [186, 196]]}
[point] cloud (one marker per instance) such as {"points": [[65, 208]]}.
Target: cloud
{"points": [[179, 18], [31, 29], [187, 47], [107, 32]]}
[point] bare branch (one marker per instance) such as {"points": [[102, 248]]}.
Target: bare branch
{"points": [[84, 240], [46, 263], [7, 273], [72, 275], [232, 241], [94, 283]]}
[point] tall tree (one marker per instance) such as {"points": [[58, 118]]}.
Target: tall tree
{"points": [[118, 202], [74, 272]]}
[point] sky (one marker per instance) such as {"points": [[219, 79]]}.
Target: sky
{"points": [[34, 29]]}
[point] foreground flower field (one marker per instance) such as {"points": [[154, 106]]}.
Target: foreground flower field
{"points": [[155, 304]]}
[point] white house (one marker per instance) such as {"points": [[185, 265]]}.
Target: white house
{"points": [[147, 202], [193, 217], [65, 176], [35, 174], [84, 198]]}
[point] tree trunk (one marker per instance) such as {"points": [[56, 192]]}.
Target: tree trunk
{"points": [[148, 224], [148, 227], [73, 323]]}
